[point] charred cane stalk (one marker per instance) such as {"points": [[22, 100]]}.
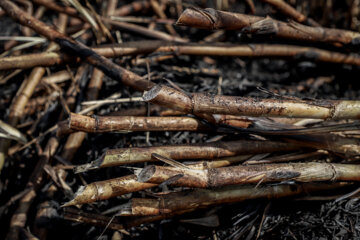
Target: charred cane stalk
{"points": [[202, 198], [102, 190], [116, 157], [143, 47], [291, 12], [212, 19], [199, 103], [252, 174]]}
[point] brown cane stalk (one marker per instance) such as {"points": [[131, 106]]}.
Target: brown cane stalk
{"points": [[143, 47], [57, 77], [102, 190], [116, 157], [202, 198], [213, 19], [97, 124], [199, 103], [144, 31], [350, 147], [286, 9], [75, 139], [133, 7]]}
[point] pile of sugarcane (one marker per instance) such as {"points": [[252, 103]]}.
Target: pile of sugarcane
{"points": [[200, 175]]}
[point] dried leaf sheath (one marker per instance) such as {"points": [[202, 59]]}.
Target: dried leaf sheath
{"points": [[201, 198], [199, 103], [252, 174], [212, 19], [213, 150]]}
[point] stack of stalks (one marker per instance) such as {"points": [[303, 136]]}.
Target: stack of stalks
{"points": [[264, 155]]}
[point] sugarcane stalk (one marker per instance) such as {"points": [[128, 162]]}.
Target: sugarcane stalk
{"points": [[98, 124], [143, 31], [252, 174], [286, 9], [122, 156], [200, 103], [142, 47], [350, 147], [201, 198], [102, 190], [213, 19]]}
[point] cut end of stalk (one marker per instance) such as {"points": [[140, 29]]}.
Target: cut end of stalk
{"points": [[88, 166], [76, 199], [152, 93], [198, 18], [146, 173], [68, 204]]}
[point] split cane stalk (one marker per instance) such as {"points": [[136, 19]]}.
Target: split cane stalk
{"points": [[102, 190], [202, 198], [199, 103], [143, 47], [144, 31], [213, 19], [252, 174], [116, 157], [99, 124]]}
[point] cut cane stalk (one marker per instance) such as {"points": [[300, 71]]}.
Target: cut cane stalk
{"points": [[143, 47], [199, 103], [291, 12], [213, 150], [201, 198], [251, 174], [102, 190], [212, 19]]}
